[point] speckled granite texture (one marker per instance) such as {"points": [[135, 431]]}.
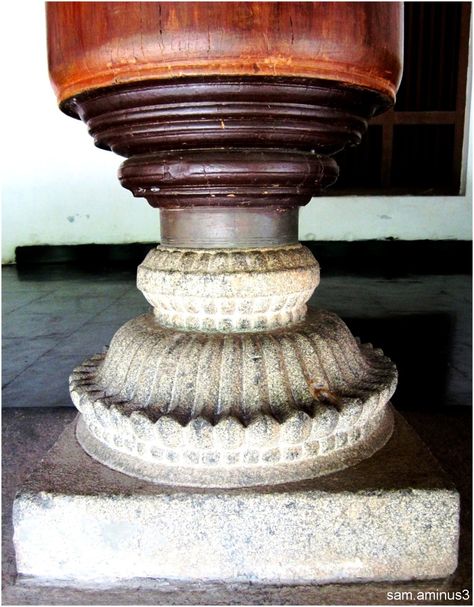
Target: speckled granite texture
{"points": [[49, 327], [228, 289], [234, 410], [395, 516], [27, 434], [231, 381]]}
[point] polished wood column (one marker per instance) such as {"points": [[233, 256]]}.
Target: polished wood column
{"points": [[110, 43], [225, 104]]}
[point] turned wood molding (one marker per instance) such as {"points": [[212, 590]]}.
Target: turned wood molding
{"points": [[225, 104], [227, 141]]}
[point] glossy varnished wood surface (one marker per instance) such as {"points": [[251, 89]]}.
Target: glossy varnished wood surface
{"points": [[227, 141], [100, 44]]}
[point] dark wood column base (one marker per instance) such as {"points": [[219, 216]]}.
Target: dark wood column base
{"points": [[228, 177], [227, 141]]}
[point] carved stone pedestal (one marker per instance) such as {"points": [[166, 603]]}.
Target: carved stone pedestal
{"points": [[80, 523], [230, 388], [229, 382]]}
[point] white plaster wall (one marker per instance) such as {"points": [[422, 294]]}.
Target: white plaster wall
{"points": [[59, 189]]}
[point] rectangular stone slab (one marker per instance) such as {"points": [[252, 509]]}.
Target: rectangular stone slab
{"points": [[392, 517]]}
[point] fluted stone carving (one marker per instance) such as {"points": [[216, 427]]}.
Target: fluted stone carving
{"points": [[228, 382], [228, 289]]}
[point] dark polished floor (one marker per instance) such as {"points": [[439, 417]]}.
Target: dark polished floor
{"points": [[55, 315]]}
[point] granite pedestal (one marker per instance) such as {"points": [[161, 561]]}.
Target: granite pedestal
{"points": [[394, 516]]}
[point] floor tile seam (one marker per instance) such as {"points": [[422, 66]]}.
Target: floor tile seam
{"points": [[69, 296], [464, 374], [30, 302], [52, 348], [111, 304]]}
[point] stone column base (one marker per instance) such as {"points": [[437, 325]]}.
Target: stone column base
{"points": [[394, 516]]}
